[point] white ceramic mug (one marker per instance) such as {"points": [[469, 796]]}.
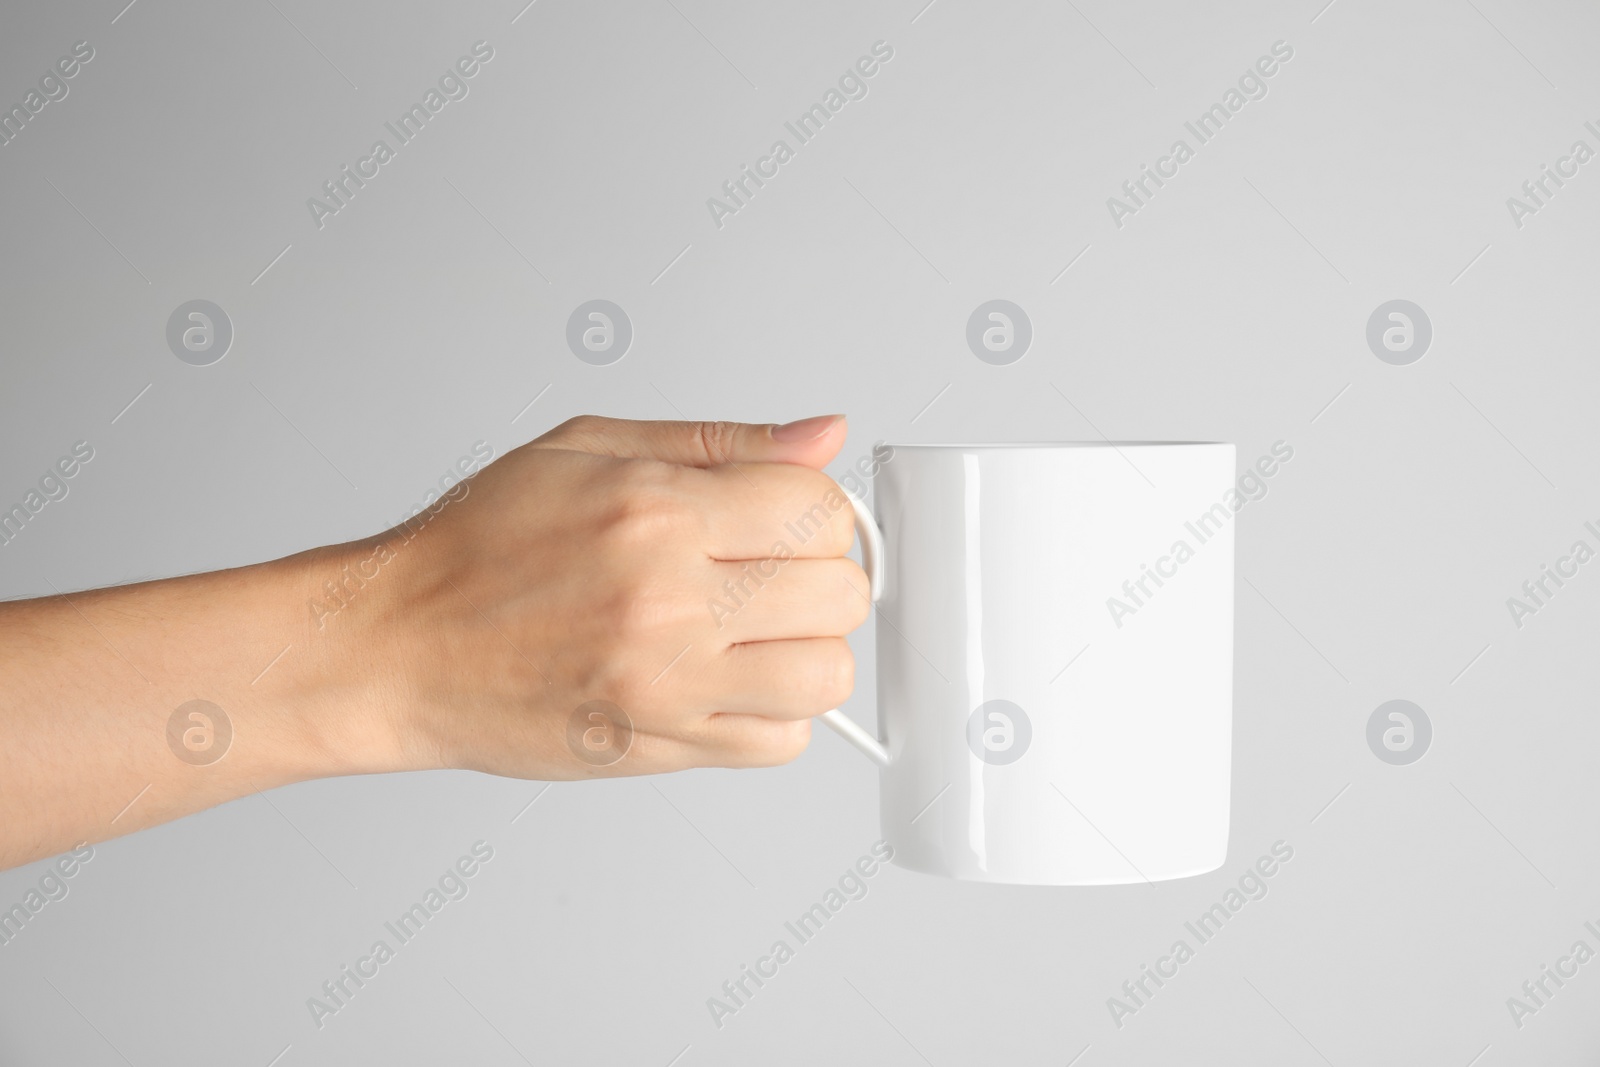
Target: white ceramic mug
{"points": [[1054, 659]]}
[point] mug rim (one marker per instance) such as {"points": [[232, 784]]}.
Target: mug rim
{"points": [[1019, 445]]}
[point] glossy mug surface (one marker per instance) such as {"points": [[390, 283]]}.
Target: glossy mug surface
{"points": [[1054, 659]]}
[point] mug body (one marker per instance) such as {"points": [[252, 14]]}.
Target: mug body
{"points": [[1055, 659]]}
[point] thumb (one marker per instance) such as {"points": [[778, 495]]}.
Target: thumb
{"points": [[809, 442]]}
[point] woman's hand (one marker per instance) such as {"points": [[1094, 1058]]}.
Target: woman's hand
{"points": [[612, 598], [628, 598]]}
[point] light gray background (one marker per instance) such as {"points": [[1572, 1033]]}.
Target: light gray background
{"points": [[376, 350]]}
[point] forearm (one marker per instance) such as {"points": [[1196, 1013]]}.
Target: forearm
{"points": [[566, 586], [91, 685]]}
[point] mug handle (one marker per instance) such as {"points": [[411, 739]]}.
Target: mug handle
{"points": [[872, 562]]}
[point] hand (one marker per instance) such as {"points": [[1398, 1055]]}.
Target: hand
{"points": [[692, 575]]}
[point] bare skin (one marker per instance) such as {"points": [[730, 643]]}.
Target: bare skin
{"points": [[581, 567]]}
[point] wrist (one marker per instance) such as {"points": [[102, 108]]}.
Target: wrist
{"points": [[348, 684]]}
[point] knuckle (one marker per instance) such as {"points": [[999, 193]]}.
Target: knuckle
{"points": [[630, 618], [716, 440], [580, 424], [577, 428], [643, 610], [647, 508]]}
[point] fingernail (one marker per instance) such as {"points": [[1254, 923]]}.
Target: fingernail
{"points": [[804, 429]]}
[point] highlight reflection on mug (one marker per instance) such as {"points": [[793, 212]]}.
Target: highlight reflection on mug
{"points": [[599, 733], [998, 732]]}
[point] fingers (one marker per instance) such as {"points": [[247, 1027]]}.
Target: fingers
{"points": [[810, 442], [746, 706], [784, 679], [734, 740], [778, 680], [772, 600], [758, 511]]}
